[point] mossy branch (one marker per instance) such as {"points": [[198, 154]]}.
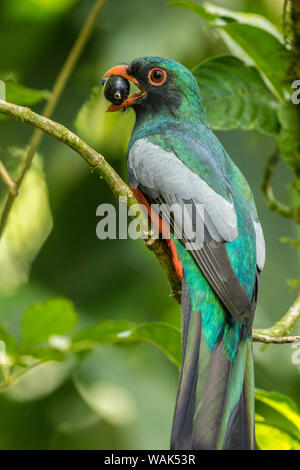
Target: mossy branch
{"points": [[281, 328], [7, 179], [98, 164], [267, 339]]}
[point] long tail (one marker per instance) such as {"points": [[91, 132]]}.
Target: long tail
{"points": [[215, 400]]}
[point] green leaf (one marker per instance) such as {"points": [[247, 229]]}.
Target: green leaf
{"points": [[36, 10], [235, 96], [21, 95], [164, 336], [219, 16], [196, 8], [16, 93], [9, 342], [288, 138], [108, 132], [270, 438], [48, 354], [271, 58], [251, 37], [55, 316], [106, 331], [29, 223], [41, 380], [277, 421]]}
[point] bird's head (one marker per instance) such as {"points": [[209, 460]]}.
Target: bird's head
{"points": [[165, 86]]}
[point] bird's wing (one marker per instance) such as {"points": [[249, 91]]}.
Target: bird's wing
{"points": [[164, 178], [238, 180]]}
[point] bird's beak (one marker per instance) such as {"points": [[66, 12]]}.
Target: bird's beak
{"points": [[122, 71]]}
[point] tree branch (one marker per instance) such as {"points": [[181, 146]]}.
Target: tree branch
{"points": [[267, 189], [7, 179], [98, 164], [277, 333], [57, 90], [257, 337]]}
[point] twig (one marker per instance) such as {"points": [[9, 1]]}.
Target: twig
{"points": [[57, 90], [95, 160], [162, 252], [16, 376], [267, 189], [277, 333], [99, 165], [5, 176], [257, 337]]}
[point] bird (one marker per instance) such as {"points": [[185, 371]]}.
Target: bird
{"points": [[174, 158]]}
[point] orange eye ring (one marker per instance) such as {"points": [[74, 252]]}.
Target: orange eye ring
{"points": [[157, 76]]}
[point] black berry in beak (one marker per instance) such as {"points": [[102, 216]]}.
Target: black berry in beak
{"points": [[116, 89]]}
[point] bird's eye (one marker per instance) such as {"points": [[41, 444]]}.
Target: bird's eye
{"points": [[157, 76]]}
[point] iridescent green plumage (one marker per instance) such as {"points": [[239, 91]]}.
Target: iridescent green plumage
{"points": [[174, 157]]}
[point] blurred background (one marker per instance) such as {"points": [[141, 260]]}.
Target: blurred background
{"points": [[117, 397]]}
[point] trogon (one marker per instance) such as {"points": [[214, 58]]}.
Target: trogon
{"points": [[174, 157]]}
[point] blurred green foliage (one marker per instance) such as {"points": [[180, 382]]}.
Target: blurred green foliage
{"points": [[277, 421], [235, 96], [80, 391]]}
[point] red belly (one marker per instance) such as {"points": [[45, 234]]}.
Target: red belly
{"points": [[163, 228]]}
